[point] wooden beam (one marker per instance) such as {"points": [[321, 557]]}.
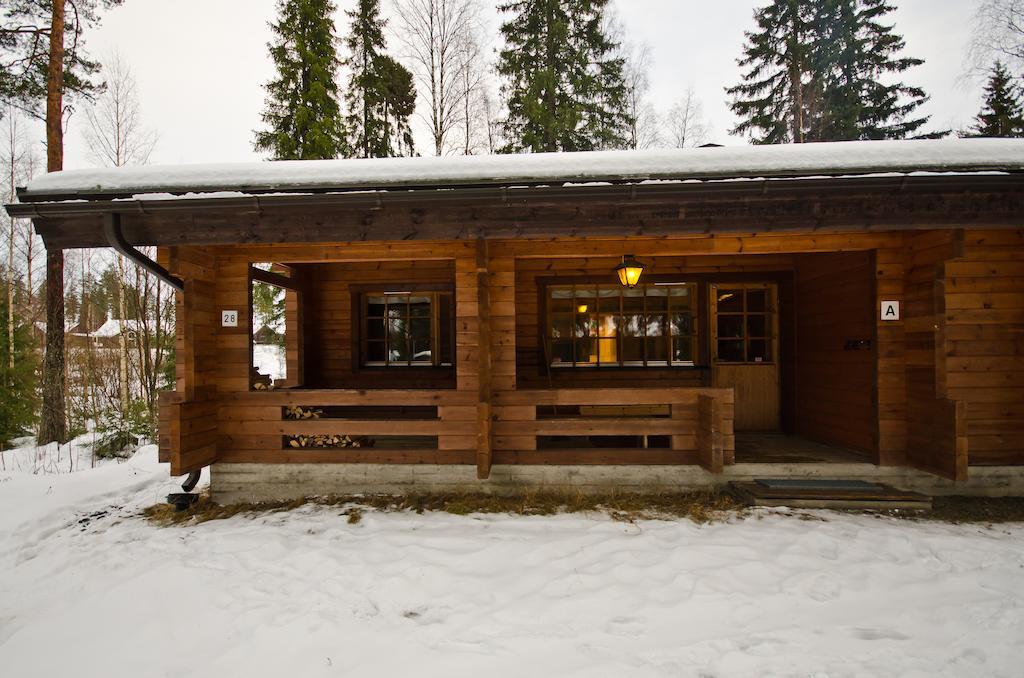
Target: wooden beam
{"points": [[484, 433], [271, 278]]}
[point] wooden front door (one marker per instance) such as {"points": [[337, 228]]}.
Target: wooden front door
{"points": [[745, 350]]}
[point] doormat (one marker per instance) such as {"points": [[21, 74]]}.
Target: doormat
{"points": [[817, 484]]}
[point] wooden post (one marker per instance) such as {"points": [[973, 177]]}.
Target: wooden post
{"points": [[484, 436], [710, 448]]}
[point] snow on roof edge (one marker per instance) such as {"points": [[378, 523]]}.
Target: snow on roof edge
{"points": [[845, 158]]}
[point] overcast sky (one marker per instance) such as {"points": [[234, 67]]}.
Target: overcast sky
{"points": [[201, 64]]}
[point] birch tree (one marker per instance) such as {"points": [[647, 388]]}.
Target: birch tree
{"points": [[685, 126], [997, 34], [643, 118], [438, 40], [115, 134]]}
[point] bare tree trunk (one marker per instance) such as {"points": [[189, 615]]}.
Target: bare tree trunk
{"points": [[53, 425], [13, 158], [122, 339]]}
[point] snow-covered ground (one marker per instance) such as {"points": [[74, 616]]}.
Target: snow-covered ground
{"points": [[88, 588]]}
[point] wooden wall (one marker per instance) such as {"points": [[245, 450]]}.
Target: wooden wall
{"points": [[329, 332], [983, 343], [960, 339], [835, 383]]}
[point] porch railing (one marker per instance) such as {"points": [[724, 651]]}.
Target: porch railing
{"points": [[540, 426]]}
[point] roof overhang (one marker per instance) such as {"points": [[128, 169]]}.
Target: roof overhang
{"points": [[869, 202]]}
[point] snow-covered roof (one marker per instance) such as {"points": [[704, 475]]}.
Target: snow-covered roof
{"points": [[112, 328], [792, 160]]}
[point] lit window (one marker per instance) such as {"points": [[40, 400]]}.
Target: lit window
{"points": [[651, 325]]}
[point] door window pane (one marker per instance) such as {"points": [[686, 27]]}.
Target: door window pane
{"points": [[730, 326], [730, 301], [730, 350]]}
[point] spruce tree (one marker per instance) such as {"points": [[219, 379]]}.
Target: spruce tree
{"points": [[1002, 112], [380, 95], [775, 101], [18, 382], [302, 114], [822, 70], [564, 82], [856, 56]]}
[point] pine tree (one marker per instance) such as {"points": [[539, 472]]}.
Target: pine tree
{"points": [[1002, 112], [564, 81], [856, 57], [774, 100], [18, 381], [380, 96], [302, 114]]}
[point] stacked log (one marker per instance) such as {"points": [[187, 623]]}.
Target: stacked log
{"points": [[322, 440]]}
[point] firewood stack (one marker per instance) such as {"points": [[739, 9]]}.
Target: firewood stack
{"points": [[297, 412], [323, 440]]}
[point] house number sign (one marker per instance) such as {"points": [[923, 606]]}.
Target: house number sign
{"points": [[229, 318], [890, 310]]}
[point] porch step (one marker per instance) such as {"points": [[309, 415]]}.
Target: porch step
{"points": [[828, 493]]}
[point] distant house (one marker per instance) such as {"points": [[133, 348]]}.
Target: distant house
{"points": [[611, 320], [268, 336], [107, 335]]}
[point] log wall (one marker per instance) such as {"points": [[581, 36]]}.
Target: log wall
{"points": [[959, 341]]}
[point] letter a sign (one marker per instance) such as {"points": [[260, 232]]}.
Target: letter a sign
{"points": [[890, 310]]}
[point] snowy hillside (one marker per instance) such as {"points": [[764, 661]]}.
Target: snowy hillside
{"points": [[88, 588]]}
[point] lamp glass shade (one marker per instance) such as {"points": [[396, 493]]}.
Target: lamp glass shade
{"points": [[629, 271]]}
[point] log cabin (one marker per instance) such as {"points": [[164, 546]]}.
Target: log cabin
{"points": [[620, 320]]}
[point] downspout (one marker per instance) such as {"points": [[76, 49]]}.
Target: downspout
{"points": [[114, 235]]}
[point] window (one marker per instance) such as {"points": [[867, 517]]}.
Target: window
{"points": [[652, 325], [408, 329], [745, 323]]}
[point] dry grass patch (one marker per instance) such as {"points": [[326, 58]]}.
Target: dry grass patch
{"points": [[701, 507]]}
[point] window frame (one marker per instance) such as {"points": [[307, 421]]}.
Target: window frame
{"points": [[696, 337], [770, 314], [360, 325]]}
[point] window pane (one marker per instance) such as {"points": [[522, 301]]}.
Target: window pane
{"points": [[421, 352], [419, 306], [420, 329], [609, 351], [730, 350], [586, 300], [759, 351], [561, 299], [561, 352], [730, 301], [680, 296], [730, 326], [682, 350], [657, 298], [655, 325], [632, 326], [561, 326], [444, 331], [586, 325], [757, 326], [632, 350], [398, 336], [397, 307], [682, 324], [586, 351], [757, 300], [633, 300], [657, 350], [608, 325], [375, 351], [375, 307], [375, 329]]}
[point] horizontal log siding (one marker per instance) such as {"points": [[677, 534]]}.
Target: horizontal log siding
{"points": [[984, 343], [329, 322]]}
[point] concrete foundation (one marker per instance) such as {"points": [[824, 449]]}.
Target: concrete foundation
{"points": [[231, 483]]}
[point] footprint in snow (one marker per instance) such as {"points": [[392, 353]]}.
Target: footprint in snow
{"points": [[879, 634]]}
